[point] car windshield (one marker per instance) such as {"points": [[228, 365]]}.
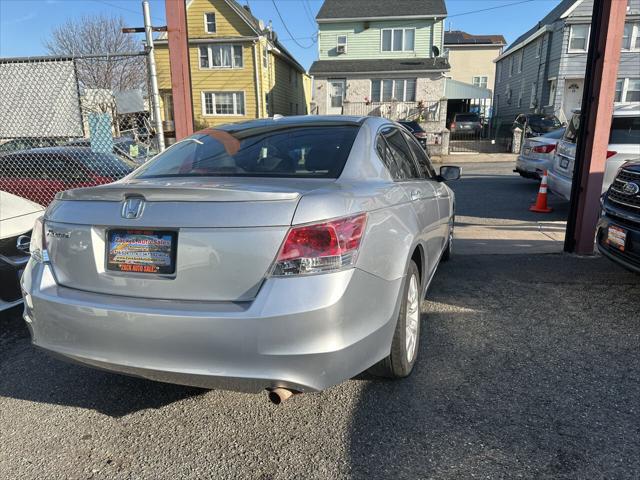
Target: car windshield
{"points": [[555, 134], [625, 130], [470, 117], [308, 151], [573, 130], [544, 123]]}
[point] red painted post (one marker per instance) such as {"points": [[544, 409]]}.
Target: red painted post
{"points": [[607, 27], [176, 11]]}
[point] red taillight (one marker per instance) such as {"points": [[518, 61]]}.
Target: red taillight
{"points": [[453, 125], [610, 153], [321, 247], [544, 148], [420, 135]]}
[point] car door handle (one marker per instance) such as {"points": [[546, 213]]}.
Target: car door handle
{"points": [[415, 195]]}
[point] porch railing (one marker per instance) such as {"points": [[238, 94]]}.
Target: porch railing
{"points": [[424, 111]]}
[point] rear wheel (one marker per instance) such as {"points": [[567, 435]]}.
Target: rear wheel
{"points": [[406, 339]]}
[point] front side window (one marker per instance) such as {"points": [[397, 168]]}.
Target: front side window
{"points": [[223, 103], [221, 56], [310, 152], [210, 22], [579, 38], [398, 39], [401, 90]]}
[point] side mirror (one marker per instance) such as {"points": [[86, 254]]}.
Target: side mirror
{"points": [[449, 172]]}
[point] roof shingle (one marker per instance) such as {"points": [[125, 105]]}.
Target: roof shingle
{"points": [[333, 67], [458, 37], [340, 9]]}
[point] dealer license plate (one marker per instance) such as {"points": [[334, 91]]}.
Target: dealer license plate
{"points": [[141, 251], [617, 237]]}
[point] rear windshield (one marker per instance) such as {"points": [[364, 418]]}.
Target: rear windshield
{"points": [[573, 129], [316, 151], [413, 126], [555, 134], [469, 117], [544, 123], [625, 130], [104, 164]]}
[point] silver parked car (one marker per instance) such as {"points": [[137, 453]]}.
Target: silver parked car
{"points": [[624, 146], [536, 155], [284, 254]]}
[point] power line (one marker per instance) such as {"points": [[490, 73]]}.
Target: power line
{"points": [[287, 28], [490, 8]]}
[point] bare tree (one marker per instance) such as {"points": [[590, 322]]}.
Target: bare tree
{"points": [[100, 35]]}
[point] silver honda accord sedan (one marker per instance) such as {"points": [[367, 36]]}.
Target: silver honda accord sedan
{"points": [[283, 254]]}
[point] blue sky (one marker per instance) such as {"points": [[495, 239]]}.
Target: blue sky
{"points": [[25, 24]]}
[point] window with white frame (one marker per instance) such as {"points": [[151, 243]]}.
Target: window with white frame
{"points": [[399, 89], [221, 56], [265, 57], [539, 48], [398, 39], [533, 101], [520, 61], [480, 82], [627, 90], [342, 43], [552, 92], [520, 95], [210, 22], [631, 37], [579, 38], [223, 103]]}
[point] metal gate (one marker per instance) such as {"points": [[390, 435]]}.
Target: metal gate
{"points": [[473, 142], [69, 122]]}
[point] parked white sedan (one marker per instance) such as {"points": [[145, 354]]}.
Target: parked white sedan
{"points": [[536, 155]]}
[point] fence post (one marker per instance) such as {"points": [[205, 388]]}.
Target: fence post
{"points": [[155, 94]]}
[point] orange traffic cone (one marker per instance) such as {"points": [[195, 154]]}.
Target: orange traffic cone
{"points": [[541, 201]]}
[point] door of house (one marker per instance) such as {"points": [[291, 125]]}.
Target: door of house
{"points": [[336, 96], [573, 89]]}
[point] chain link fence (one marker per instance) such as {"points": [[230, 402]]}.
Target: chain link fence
{"points": [[72, 122]]}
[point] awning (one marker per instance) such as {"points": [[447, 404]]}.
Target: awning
{"points": [[455, 90]]}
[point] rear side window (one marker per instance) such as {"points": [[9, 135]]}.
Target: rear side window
{"points": [[421, 157], [308, 152], [573, 129], [625, 130], [387, 157], [402, 155]]}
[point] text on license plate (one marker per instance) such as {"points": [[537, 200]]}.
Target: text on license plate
{"points": [[617, 237], [141, 251]]}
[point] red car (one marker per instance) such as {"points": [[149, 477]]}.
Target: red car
{"points": [[40, 173]]}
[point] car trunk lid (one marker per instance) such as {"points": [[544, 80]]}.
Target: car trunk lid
{"points": [[226, 233]]}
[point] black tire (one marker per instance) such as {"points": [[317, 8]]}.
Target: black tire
{"points": [[446, 255], [397, 365]]}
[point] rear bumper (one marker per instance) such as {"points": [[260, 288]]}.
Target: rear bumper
{"points": [[531, 167], [559, 185], [630, 258], [303, 333]]}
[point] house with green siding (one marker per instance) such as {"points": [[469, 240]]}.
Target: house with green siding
{"points": [[380, 57]]}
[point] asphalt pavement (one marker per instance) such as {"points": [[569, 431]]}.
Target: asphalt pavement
{"points": [[529, 368]]}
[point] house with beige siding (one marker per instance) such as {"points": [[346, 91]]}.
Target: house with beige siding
{"points": [[472, 59], [239, 69], [378, 57]]}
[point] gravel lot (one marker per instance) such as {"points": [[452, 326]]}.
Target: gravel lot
{"points": [[529, 368]]}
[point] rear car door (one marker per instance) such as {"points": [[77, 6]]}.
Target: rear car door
{"points": [[442, 194], [421, 193]]}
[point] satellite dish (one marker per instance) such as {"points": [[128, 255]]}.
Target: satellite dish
{"points": [[261, 25], [436, 51]]}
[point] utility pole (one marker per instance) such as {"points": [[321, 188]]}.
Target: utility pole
{"points": [[607, 26], [148, 30], [153, 74]]}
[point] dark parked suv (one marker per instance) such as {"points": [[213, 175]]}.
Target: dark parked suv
{"points": [[619, 227]]}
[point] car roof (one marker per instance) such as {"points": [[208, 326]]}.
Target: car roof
{"points": [[292, 121]]}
